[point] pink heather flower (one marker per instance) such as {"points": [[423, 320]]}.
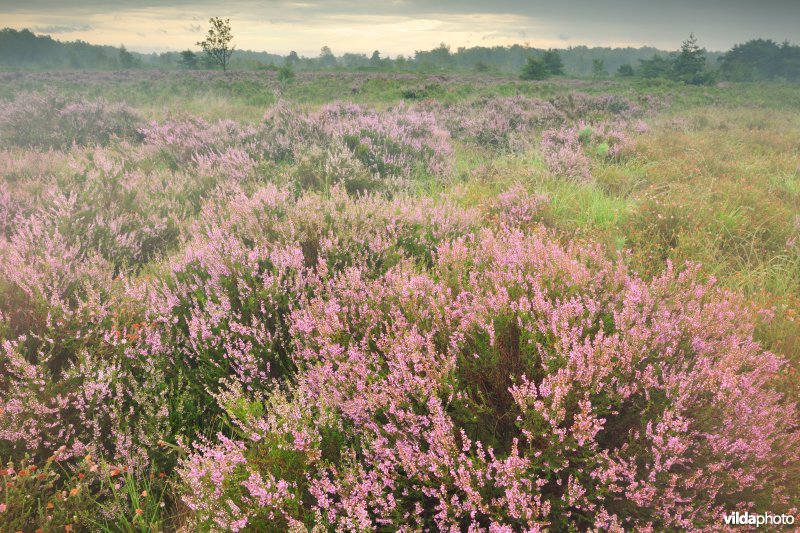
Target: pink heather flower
{"points": [[385, 361], [564, 154]]}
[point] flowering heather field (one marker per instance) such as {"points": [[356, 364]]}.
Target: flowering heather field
{"points": [[373, 303]]}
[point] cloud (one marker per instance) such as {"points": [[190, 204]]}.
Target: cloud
{"points": [[194, 28], [61, 29]]}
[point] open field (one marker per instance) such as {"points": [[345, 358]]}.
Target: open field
{"points": [[363, 301]]}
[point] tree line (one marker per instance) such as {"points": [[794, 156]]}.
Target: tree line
{"points": [[757, 59]]}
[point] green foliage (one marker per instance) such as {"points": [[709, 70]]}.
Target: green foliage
{"points": [[23, 49], [126, 59], [598, 68], [534, 69], [553, 63], [130, 503], [30, 493], [326, 58], [625, 71], [188, 60], [656, 67], [286, 74], [431, 90], [437, 59], [70, 494], [687, 67], [690, 64], [760, 59], [375, 60], [217, 44]]}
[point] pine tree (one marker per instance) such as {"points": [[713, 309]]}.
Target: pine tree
{"points": [[552, 60], [690, 65], [534, 69]]}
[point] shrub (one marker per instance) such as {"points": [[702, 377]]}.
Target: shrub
{"points": [[596, 108], [563, 153], [395, 143], [500, 122], [518, 207], [322, 168], [286, 74], [566, 150], [86, 493], [614, 403], [51, 120], [534, 69]]}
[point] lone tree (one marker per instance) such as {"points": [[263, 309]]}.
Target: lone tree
{"points": [[218, 42], [690, 65]]}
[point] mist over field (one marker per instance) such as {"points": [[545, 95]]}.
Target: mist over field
{"points": [[433, 266]]}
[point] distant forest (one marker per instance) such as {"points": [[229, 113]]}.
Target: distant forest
{"points": [[757, 59]]}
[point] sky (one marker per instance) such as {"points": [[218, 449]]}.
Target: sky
{"points": [[403, 26]]}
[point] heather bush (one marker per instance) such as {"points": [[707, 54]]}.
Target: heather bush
{"points": [[564, 154], [500, 122], [222, 306], [517, 207], [71, 384], [185, 139], [285, 131], [103, 205], [51, 120], [394, 143], [19, 166], [595, 108], [232, 164], [611, 141], [567, 150], [301, 322], [68, 380], [321, 169], [399, 141], [517, 384], [226, 493]]}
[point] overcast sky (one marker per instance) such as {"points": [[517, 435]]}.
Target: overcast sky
{"points": [[403, 26]]}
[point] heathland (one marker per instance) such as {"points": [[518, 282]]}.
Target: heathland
{"points": [[373, 301]]}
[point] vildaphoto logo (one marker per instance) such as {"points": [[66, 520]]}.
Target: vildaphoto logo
{"points": [[758, 520]]}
